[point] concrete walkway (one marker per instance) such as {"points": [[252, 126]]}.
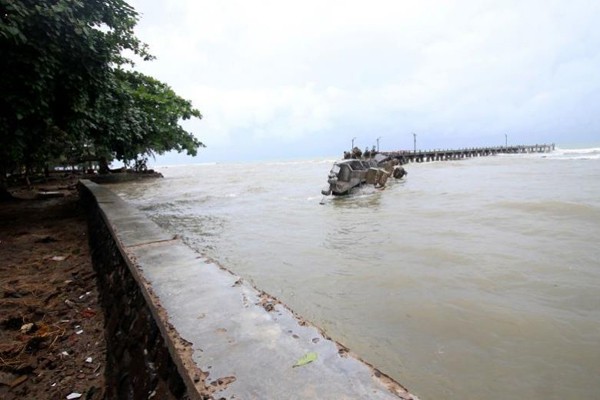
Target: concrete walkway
{"points": [[244, 342]]}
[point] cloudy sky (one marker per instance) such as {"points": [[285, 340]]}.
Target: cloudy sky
{"points": [[279, 79]]}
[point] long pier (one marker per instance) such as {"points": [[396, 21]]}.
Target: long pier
{"points": [[408, 156]]}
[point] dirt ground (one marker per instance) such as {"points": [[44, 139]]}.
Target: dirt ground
{"points": [[51, 325]]}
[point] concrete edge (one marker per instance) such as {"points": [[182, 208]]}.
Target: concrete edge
{"points": [[181, 350]]}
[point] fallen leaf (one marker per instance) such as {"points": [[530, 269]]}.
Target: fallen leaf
{"points": [[307, 359], [27, 328], [87, 313], [6, 378], [46, 239], [70, 303], [18, 381]]}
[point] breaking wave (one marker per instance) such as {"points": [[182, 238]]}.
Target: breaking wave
{"points": [[590, 153]]}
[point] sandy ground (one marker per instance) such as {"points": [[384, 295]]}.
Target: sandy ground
{"points": [[51, 326]]}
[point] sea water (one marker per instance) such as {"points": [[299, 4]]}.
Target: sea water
{"points": [[469, 279]]}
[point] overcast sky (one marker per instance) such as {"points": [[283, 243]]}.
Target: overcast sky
{"points": [[281, 79]]}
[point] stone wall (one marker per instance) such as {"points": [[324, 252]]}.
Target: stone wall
{"points": [[139, 364], [181, 327]]}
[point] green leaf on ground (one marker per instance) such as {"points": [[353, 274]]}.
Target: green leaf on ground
{"points": [[307, 359]]}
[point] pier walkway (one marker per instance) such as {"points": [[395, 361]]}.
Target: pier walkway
{"points": [[408, 156]]}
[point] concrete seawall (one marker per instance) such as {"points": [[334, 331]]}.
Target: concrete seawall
{"points": [[178, 326]]}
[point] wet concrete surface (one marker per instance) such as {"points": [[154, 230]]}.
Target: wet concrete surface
{"points": [[245, 342]]}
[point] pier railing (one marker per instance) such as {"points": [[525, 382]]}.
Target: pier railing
{"points": [[407, 156]]}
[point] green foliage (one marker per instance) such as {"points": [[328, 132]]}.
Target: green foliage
{"points": [[140, 116], [63, 90]]}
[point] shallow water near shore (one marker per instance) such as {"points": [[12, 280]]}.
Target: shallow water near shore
{"points": [[471, 279]]}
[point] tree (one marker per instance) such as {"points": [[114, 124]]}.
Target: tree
{"points": [[61, 64], [140, 116]]}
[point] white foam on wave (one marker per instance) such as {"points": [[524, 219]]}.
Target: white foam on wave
{"points": [[587, 150], [582, 157], [313, 198], [299, 162], [199, 164], [587, 153]]}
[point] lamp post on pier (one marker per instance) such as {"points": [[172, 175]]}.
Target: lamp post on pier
{"points": [[378, 143], [352, 148], [415, 141], [505, 140]]}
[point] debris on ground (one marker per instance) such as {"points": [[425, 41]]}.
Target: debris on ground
{"points": [[50, 321]]}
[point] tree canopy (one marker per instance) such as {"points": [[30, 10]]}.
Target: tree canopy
{"points": [[67, 89], [140, 115]]}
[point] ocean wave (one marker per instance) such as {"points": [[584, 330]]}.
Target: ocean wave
{"points": [[590, 157], [589, 153], [300, 162], [198, 164], [588, 150], [555, 208]]}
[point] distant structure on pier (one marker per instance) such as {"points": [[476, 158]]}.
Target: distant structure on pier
{"points": [[375, 167], [408, 156]]}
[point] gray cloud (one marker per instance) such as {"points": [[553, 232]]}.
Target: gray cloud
{"points": [[303, 78]]}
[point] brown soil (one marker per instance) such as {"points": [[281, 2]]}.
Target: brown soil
{"points": [[51, 325]]}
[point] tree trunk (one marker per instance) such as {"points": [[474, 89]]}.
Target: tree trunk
{"points": [[4, 193], [103, 166]]}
